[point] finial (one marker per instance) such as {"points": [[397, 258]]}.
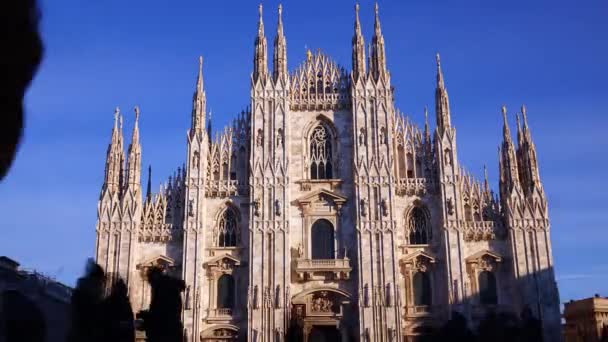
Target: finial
{"points": [[136, 113], [280, 9], [376, 8], [116, 113], [504, 111], [200, 64], [523, 113], [260, 10], [308, 55], [438, 59], [357, 7]]}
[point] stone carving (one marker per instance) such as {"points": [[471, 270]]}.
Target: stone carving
{"points": [[256, 207], [259, 139], [321, 304], [277, 207], [450, 204], [279, 137], [300, 251], [191, 208], [195, 159], [277, 295], [187, 300], [382, 136], [384, 207], [363, 207], [362, 136]]}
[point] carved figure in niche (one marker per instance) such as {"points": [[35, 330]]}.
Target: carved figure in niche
{"points": [[277, 297], [362, 136], [363, 207], [256, 297], [448, 157], [300, 251], [195, 159], [277, 207], [450, 204], [366, 295], [267, 297], [187, 301], [259, 139], [384, 206], [382, 135], [256, 207], [345, 253], [191, 208], [279, 137]]}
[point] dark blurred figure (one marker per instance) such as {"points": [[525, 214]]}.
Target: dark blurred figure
{"points": [[19, 60], [22, 319], [162, 322], [87, 300], [531, 329], [118, 324], [502, 327], [455, 329]]}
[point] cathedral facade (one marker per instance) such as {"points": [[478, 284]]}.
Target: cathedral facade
{"points": [[324, 213]]}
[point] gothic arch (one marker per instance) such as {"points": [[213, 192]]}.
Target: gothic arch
{"points": [[227, 226], [418, 224], [300, 297], [321, 155], [226, 332]]}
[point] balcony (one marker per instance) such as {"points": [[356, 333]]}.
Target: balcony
{"points": [[219, 314], [413, 186], [318, 269]]}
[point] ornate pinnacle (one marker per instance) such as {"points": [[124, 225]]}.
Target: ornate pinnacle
{"points": [[261, 22], [136, 114], [523, 113], [438, 59], [116, 113]]}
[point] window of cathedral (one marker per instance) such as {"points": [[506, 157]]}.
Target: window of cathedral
{"points": [[227, 230], [323, 245], [487, 288], [419, 233], [225, 292], [422, 289], [321, 162]]}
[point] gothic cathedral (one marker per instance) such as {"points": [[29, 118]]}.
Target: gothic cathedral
{"points": [[323, 213]]}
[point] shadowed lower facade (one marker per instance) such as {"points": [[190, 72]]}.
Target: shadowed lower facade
{"points": [[323, 213]]}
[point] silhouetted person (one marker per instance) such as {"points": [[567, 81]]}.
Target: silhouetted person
{"points": [[19, 60], [87, 304], [117, 315], [455, 329], [22, 320], [531, 329], [162, 322]]}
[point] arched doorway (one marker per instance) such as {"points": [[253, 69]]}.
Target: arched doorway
{"points": [[320, 333], [322, 246]]}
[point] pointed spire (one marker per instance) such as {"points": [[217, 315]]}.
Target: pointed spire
{"points": [[506, 133], [486, 183], [280, 51], [442, 103], [427, 132], [530, 177], [209, 127], [377, 55], [114, 157], [149, 187], [260, 59], [134, 158], [199, 102], [519, 132], [358, 53]]}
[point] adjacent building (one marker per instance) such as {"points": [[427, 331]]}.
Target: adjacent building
{"points": [[323, 212], [586, 320], [50, 297]]}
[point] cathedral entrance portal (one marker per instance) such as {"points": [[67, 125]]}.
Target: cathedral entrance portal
{"points": [[324, 334], [319, 315]]}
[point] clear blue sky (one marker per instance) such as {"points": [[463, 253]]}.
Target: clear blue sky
{"points": [[550, 55]]}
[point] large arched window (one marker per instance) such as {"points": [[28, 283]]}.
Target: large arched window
{"points": [[487, 288], [225, 292], [422, 289], [320, 153], [227, 229], [418, 228], [322, 242]]}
